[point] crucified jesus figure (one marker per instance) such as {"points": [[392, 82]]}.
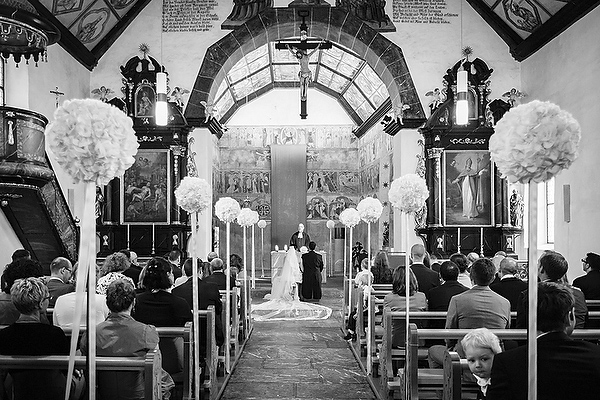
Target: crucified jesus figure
{"points": [[305, 73]]}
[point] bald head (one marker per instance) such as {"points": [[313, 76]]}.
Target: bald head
{"points": [[508, 266], [417, 253]]}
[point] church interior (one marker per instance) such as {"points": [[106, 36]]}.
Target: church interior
{"points": [[299, 111]]}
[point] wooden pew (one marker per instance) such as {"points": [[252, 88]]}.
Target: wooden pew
{"points": [[431, 381], [245, 319], [234, 321], [150, 365], [454, 367]]}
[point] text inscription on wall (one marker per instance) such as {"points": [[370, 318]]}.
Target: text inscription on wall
{"points": [[189, 15], [422, 12]]}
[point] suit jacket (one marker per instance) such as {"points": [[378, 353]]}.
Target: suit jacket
{"points": [[133, 272], [478, 307], [589, 285], [220, 279], [581, 311], [567, 369], [312, 260], [56, 288], [426, 278], [510, 288], [208, 294], [439, 297]]}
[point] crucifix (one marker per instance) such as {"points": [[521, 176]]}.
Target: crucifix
{"points": [[300, 48], [57, 95]]}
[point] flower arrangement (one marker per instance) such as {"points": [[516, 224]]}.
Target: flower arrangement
{"points": [[193, 194], [255, 217], [246, 217], [227, 209], [369, 209], [408, 193], [534, 142], [350, 217], [262, 224], [92, 140], [330, 224]]}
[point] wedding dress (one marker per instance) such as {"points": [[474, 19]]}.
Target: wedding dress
{"points": [[283, 301]]}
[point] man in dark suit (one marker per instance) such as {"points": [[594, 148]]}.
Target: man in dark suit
{"points": [[590, 283], [552, 267], [174, 257], [59, 283], [509, 287], [134, 269], [426, 278], [208, 295], [566, 368], [312, 265], [439, 297], [218, 276]]}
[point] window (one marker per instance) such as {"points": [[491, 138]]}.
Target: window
{"points": [[549, 204]]}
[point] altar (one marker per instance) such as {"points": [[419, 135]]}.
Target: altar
{"points": [[278, 257]]}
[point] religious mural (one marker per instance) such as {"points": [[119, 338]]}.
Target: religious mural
{"points": [[311, 136]]}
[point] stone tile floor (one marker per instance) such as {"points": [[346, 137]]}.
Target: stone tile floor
{"points": [[299, 359]]}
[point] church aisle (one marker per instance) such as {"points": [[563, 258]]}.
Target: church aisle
{"points": [[299, 359]]}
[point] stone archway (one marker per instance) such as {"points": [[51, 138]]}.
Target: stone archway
{"points": [[384, 56]]}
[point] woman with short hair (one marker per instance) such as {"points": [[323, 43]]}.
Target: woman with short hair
{"points": [[159, 307], [29, 336], [111, 270]]}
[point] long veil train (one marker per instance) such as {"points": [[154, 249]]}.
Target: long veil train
{"points": [[283, 301]]}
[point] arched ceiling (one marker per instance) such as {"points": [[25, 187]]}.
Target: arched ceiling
{"points": [[338, 72]]}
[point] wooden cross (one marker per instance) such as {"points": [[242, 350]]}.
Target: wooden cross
{"points": [[57, 95], [299, 48]]}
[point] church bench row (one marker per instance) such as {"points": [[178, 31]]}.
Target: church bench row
{"points": [[150, 365], [427, 381], [209, 385]]}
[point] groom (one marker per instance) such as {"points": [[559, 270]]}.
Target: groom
{"points": [[312, 264]]}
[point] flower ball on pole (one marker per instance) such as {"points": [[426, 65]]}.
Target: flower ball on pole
{"points": [[534, 142], [194, 195], [94, 142], [245, 219], [227, 210], [408, 194], [349, 218], [370, 210], [255, 219]]}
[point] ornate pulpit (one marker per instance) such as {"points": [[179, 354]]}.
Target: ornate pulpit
{"points": [[468, 208], [138, 210]]}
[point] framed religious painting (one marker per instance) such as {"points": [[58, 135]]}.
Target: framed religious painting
{"points": [[467, 188], [145, 189], [144, 101]]}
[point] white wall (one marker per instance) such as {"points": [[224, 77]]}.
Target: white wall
{"points": [[567, 72]]}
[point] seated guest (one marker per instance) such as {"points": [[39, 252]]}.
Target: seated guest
{"points": [[552, 267], [122, 336], [64, 309], [218, 276], [174, 258], [435, 263], [566, 368], [461, 261], [439, 297], [59, 282], [590, 283], [478, 307], [134, 269], [208, 294], [363, 280], [497, 259], [396, 301], [471, 257], [19, 269], [236, 264], [381, 268], [509, 287], [111, 270], [157, 306], [480, 346], [426, 278], [29, 336], [211, 256]]}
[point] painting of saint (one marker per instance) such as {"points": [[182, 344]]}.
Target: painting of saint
{"points": [[144, 101], [468, 188]]}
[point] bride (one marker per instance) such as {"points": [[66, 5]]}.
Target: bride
{"points": [[283, 301]]}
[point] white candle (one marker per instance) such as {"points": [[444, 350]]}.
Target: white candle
{"points": [[459, 240], [481, 240]]}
